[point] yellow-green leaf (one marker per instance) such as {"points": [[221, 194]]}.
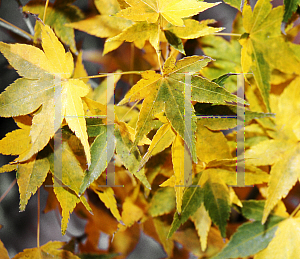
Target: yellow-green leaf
{"points": [[202, 223], [45, 85], [62, 12], [216, 199], [283, 245], [30, 177], [161, 140]]}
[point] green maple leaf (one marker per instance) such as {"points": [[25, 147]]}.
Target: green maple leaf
{"points": [[166, 93]]}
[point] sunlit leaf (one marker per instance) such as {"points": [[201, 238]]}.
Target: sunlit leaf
{"points": [[172, 10], [64, 12], [283, 244], [43, 73], [51, 249]]}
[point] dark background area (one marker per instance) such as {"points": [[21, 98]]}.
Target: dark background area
{"points": [[19, 228]]}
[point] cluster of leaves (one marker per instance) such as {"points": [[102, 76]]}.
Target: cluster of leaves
{"points": [[173, 165]]}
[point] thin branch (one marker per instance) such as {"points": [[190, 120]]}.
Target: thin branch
{"points": [[227, 34], [38, 220], [132, 107], [8, 189], [131, 62], [45, 11], [295, 211], [15, 29], [107, 74]]}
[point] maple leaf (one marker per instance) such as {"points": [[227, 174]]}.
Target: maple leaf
{"points": [[202, 223], [67, 176], [108, 198], [51, 249], [45, 89], [162, 139], [62, 11], [228, 59], [171, 10], [131, 158], [263, 34], [191, 201], [105, 25], [181, 163], [192, 29], [289, 8], [157, 207], [283, 151], [166, 93], [283, 244], [235, 3], [251, 237], [137, 33]]}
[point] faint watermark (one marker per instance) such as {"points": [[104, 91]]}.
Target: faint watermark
{"points": [[188, 132]]}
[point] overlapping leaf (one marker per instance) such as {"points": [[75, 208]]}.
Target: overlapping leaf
{"points": [[282, 152], [106, 25], [171, 10], [51, 249], [45, 89], [166, 93], [262, 38], [63, 11]]}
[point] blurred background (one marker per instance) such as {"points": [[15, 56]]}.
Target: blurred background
{"points": [[19, 228]]}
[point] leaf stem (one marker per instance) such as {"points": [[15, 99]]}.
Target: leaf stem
{"points": [[45, 11], [295, 211], [227, 34], [131, 62], [129, 110], [8, 189], [15, 29], [107, 74], [158, 52], [25, 18], [38, 220]]}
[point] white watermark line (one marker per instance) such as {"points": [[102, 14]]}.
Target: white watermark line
{"points": [[240, 136], [188, 133]]}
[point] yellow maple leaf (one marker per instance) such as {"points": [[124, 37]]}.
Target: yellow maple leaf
{"points": [[171, 10], [52, 249], [282, 152], [202, 223], [46, 88], [261, 39], [284, 245]]}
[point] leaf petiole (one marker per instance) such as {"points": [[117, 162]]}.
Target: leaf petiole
{"points": [[45, 11], [15, 29], [295, 211], [107, 74], [227, 34]]}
